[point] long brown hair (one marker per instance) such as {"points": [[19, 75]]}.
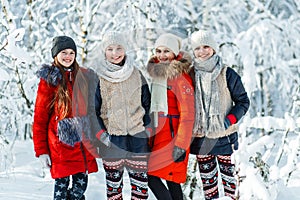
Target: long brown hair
{"points": [[63, 97]]}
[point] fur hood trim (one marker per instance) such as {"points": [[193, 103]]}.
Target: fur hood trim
{"points": [[182, 64], [50, 74]]}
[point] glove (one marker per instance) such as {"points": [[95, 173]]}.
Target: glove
{"points": [[105, 139], [178, 154], [45, 160], [226, 123]]}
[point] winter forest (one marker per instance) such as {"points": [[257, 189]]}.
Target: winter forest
{"points": [[258, 38]]}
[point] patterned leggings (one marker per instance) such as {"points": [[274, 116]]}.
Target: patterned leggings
{"points": [[209, 175], [79, 185], [137, 170]]}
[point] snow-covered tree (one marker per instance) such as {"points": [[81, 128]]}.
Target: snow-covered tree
{"points": [[258, 38]]}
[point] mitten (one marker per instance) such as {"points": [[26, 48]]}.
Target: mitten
{"points": [[178, 154], [105, 139], [45, 160], [227, 123]]}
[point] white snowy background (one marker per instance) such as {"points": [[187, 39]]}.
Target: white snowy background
{"points": [[258, 38]]}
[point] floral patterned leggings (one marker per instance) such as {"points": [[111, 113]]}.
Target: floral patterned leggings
{"points": [[208, 166]]}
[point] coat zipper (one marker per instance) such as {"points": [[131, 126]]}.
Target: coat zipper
{"points": [[84, 157], [171, 126]]}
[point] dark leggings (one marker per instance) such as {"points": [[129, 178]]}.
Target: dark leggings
{"points": [[76, 192], [161, 192]]}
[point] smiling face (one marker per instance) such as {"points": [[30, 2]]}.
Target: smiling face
{"points": [[66, 57], [203, 52], [164, 54], [115, 53]]}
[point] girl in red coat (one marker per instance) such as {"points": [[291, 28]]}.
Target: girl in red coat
{"points": [[60, 119], [172, 104]]}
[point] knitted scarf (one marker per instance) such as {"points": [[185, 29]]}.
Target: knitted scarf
{"points": [[208, 115], [160, 73], [159, 100], [116, 73]]}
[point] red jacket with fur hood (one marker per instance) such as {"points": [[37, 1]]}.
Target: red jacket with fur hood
{"points": [[176, 127], [60, 138]]}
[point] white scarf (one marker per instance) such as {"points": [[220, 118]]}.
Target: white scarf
{"points": [[116, 73], [159, 102]]}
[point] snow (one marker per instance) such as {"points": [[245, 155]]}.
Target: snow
{"points": [[270, 123], [17, 52], [4, 76], [26, 179], [272, 143], [22, 177]]}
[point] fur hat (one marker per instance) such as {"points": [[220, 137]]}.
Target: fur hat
{"points": [[203, 38], [60, 43], [170, 41], [113, 37]]}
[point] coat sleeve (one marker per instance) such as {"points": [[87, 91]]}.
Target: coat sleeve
{"points": [[98, 103], [94, 105], [185, 102], [146, 101], [42, 113], [238, 94]]}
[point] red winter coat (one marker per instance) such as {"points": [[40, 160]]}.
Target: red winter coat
{"points": [[180, 95], [66, 159]]}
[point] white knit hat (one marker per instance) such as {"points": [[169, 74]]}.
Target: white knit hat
{"points": [[113, 37], [170, 41], [203, 38]]}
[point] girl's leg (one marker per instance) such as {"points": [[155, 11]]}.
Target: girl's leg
{"points": [[227, 173], [61, 188], [137, 170], [79, 185], [114, 169], [158, 188], [209, 175], [175, 190]]}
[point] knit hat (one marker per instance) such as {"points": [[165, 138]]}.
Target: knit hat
{"points": [[60, 43], [203, 38], [170, 41], [113, 37]]}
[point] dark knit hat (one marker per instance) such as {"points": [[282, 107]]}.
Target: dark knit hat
{"points": [[60, 43]]}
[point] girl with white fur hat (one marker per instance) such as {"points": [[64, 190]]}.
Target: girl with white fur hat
{"points": [[220, 102], [172, 104]]}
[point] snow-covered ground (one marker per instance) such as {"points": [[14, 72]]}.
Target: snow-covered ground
{"points": [[26, 180]]}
